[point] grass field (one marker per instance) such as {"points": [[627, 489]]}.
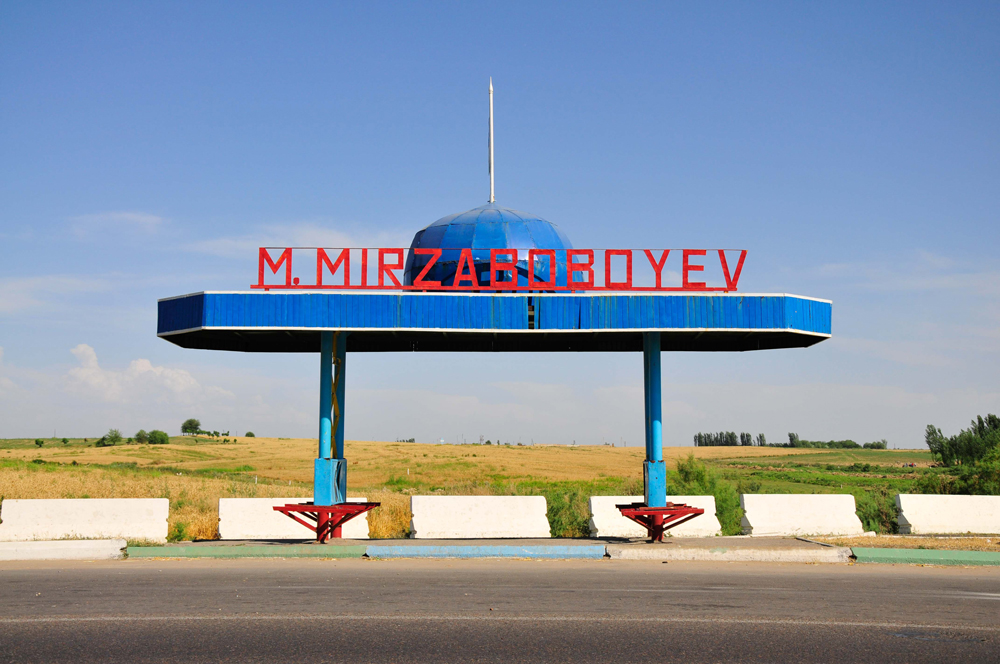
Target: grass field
{"points": [[195, 472]]}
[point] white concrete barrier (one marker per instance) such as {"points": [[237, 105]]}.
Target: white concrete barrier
{"points": [[939, 515], [254, 519], [607, 521], [799, 514], [63, 550], [483, 517], [84, 518]]}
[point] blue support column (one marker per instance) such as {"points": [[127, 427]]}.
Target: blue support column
{"points": [[325, 387], [654, 472], [323, 475], [329, 472], [645, 388], [339, 412]]}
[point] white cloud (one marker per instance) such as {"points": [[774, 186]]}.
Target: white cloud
{"points": [[910, 353], [6, 384], [923, 272], [140, 381], [87, 223], [17, 294], [309, 234]]}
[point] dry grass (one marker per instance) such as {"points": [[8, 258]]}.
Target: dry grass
{"points": [[376, 463], [392, 519], [917, 542], [163, 471]]}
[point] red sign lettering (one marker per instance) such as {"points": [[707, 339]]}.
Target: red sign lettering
{"points": [[550, 270]]}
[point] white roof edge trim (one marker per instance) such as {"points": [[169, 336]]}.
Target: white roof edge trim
{"points": [[491, 331], [178, 297]]}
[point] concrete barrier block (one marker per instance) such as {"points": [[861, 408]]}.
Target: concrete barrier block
{"points": [[84, 518], [254, 519], [940, 515], [493, 517], [63, 550], [799, 514], [607, 521]]}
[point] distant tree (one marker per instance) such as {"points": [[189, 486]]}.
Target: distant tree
{"points": [[191, 427], [761, 440], [249, 434], [141, 436], [65, 441], [113, 437], [793, 440], [746, 440], [157, 437], [877, 445], [39, 442]]}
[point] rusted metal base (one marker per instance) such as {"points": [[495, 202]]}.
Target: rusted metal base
{"points": [[324, 520], [656, 520]]}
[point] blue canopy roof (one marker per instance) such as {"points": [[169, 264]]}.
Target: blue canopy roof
{"points": [[481, 229], [290, 321]]}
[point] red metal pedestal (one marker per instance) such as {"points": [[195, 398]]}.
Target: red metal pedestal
{"points": [[656, 520], [325, 520]]}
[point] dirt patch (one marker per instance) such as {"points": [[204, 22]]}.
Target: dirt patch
{"points": [[917, 542]]}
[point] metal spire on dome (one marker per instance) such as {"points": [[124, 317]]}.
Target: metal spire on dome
{"points": [[492, 197]]}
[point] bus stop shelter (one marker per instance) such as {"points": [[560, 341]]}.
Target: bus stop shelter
{"points": [[334, 323]]}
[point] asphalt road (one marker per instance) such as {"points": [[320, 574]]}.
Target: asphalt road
{"points": [[494, 611]]}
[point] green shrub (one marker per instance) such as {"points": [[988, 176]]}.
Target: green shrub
{"points": [[249, 434], [141, 436], [694, 478], [178, 533], [568, 513], [981, 478], [877, 510], [39, 442], [157, 437]]}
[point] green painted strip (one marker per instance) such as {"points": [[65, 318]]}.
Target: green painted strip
{"points": [[269, 551], [926, 556]]}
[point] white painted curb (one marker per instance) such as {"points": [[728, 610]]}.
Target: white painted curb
{"points": [[63, 550], [799, 514], [84, 518], [478, 517], [255, 519], [941, 515], [607, 521], [729, 555]]}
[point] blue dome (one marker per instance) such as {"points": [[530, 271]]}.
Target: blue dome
{"points": [[481, 229]]}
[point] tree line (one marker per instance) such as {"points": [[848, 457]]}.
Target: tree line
{"points": [[731, 439]]}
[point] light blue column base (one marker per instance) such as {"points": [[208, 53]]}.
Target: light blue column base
{"points": [[654, 477], [330, 482]]}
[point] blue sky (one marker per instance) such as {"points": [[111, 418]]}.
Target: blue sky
{"points": [[853, 149]]}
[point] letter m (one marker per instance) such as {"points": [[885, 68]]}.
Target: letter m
{"points": [[265, 259]]}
